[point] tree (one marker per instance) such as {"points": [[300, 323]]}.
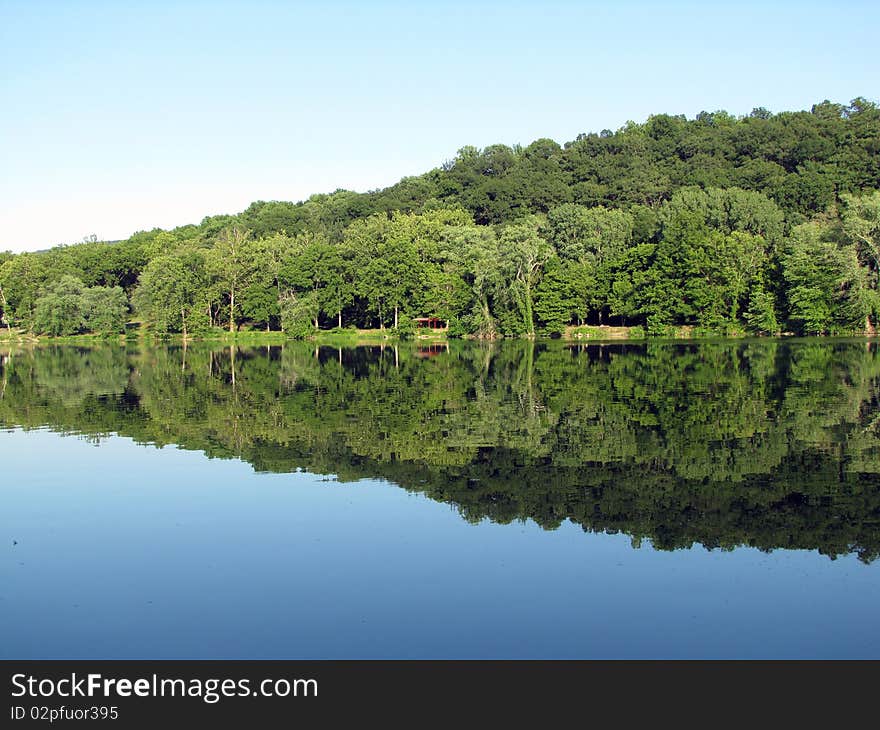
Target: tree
{"points": [[322, 270], [589, 234], [588, 239], [387, 263], [720, 270], [632, 284], [727, 210], [104, 309], [589, 288], [161, 243], [440, 289], [479, 256], [553, 298], [814, 273], [761, 314], [4, 308], [22, 279], [173, 293], [233, 261], [861, 224], [299, 313], [59, 310], [524, 252], [405, 250]]}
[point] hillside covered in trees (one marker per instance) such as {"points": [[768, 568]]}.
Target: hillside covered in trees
{"points": [[764, 223]]}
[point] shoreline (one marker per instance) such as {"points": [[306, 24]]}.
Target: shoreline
{"points": [[355, 338]]}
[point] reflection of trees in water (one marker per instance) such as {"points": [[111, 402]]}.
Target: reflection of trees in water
{"points": [[5, 361], [70, 375], [768, 443]]}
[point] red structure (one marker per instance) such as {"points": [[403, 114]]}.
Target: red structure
{"points": [[429, 322]]}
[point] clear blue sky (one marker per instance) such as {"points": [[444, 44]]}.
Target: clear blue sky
{"points": [[121, 116]]}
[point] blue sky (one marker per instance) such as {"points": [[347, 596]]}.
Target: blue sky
{"points": [[122, 116]]}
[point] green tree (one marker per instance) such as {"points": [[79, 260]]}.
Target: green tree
{"points": [[173, 293], [479, 254], [59, 310], [233, 261], [632, 279], [105, 309], [554, 301], [861, 224], [761, 314], [324, 271], [22, 279], [589, 239], [299, 313], [4, 308], [260, 301], [589, 234], [814, 272], [726, 210], [524, 253], [387, 263]]}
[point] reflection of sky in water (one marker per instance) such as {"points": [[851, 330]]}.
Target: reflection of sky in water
{"points": [[126, 551]]}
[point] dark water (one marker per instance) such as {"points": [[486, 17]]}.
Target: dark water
{"points": [[509, 500]]}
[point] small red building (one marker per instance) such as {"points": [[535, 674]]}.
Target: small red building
{"points": [[433, 323]]}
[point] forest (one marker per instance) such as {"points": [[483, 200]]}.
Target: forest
{"points": [[770, 443], [767, 223]]}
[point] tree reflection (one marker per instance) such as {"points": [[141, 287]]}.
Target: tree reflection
{"points": [[769, 443]]}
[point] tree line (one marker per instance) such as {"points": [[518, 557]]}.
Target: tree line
{"points": [[764, 223]]}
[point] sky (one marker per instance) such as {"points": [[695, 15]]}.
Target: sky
{"points": [[124, 116]]}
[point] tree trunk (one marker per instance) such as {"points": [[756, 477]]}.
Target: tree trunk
{"points": [[488, 323], [340, 319], [183, 320], [530, 317], [232, 310], [3, 316], [395, 316]]}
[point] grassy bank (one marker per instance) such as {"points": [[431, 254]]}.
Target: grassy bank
{"points": [[351, 337], [16, 337], [345, 337], [637, 332], [603, 332]]}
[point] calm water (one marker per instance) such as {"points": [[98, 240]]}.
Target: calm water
{"points": [[509, 500]]}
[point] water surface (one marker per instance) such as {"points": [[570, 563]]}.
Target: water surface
{"points": [[507, 500]]}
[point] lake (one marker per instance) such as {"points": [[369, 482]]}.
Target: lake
{"points": [[475, 500]]}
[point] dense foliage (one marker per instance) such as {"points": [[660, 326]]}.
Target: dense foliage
{"points": [[762, 223], [770, 443]]}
